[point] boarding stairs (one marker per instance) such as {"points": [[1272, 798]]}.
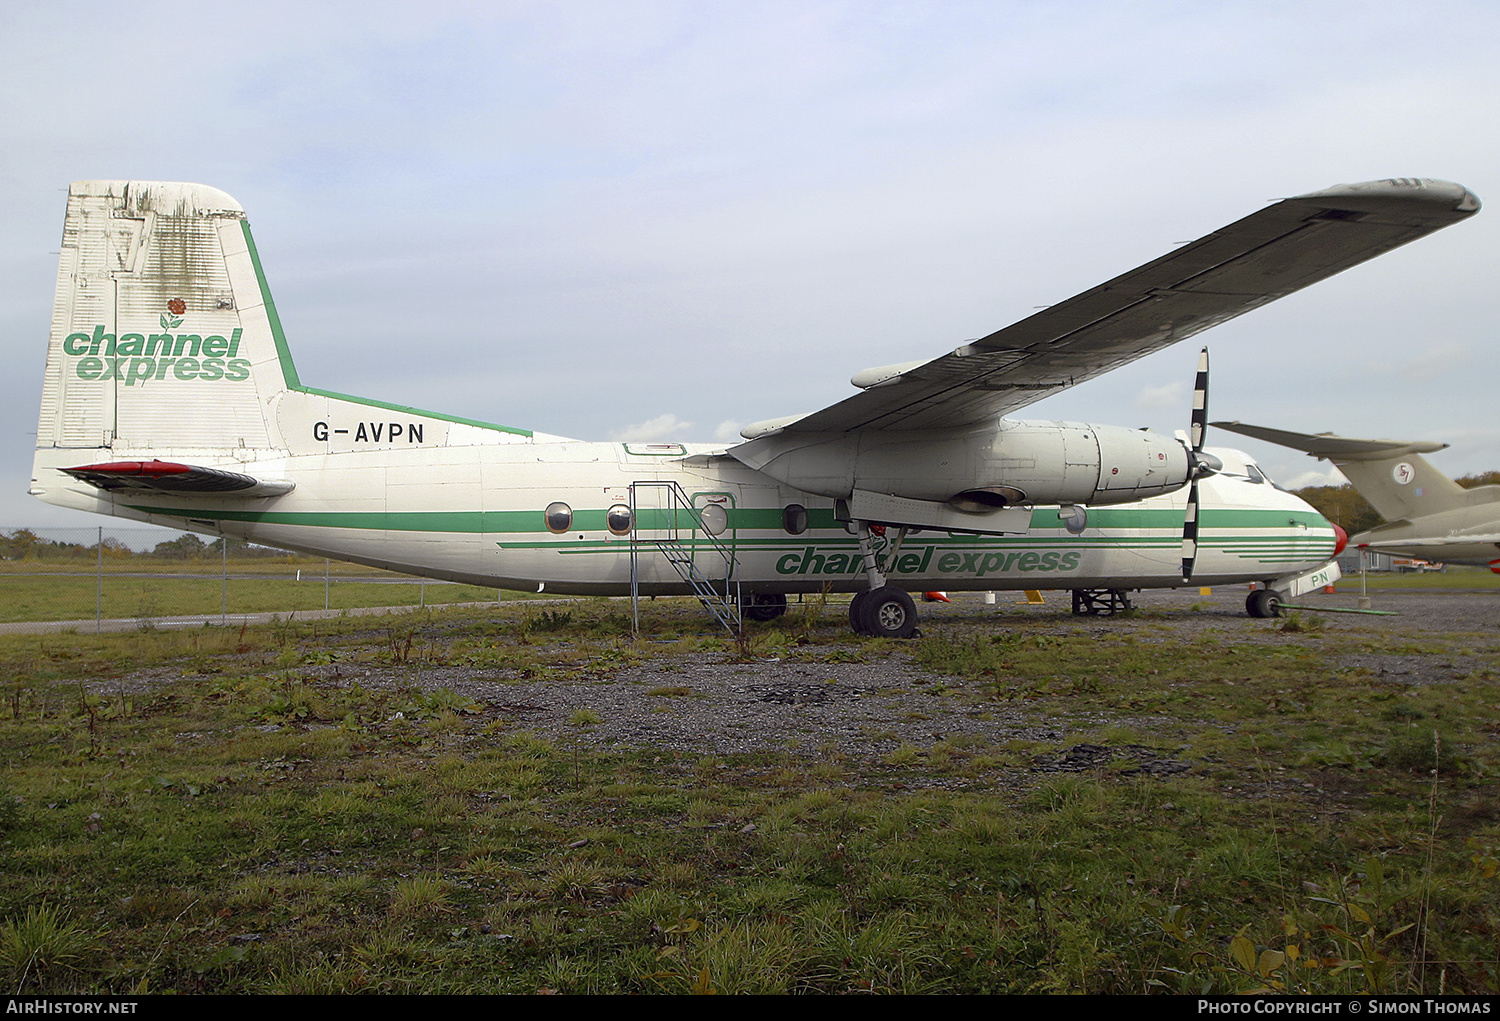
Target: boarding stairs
{"points": [[673, 528]]}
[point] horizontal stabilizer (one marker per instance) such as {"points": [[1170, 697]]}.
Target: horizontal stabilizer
{"points": [[1335, 448], [1436, 543], [170, 477], [1391, 474]]}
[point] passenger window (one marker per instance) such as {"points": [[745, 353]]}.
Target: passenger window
{"points": [[559, 517], [618, 519], [794, 518], [715, 520]]}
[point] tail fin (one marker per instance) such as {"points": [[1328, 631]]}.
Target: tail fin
{"points": [[163, 335], [1391, 474], [166, 348]]}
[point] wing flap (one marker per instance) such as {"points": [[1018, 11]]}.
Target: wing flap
{"points": [[173, 478]]}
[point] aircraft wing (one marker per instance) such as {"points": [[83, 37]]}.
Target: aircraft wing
{"points": [[1269, 254], [176, 479]]}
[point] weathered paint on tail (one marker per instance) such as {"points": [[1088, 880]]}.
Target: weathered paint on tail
{"points": [[160, 332], [165, 343]]}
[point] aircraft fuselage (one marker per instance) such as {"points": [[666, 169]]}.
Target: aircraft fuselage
{"points": [[480, 514]]}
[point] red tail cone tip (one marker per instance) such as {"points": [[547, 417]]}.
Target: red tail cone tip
{"points": [[1342, 537]]}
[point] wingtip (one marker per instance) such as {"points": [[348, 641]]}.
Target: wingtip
{"points": [[1393, 194]]}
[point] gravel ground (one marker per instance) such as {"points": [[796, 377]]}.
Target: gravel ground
{"points": [[863, 704], [710, 703]]}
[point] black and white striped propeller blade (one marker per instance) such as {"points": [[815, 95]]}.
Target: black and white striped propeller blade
{"points": [[1199, 465], [1199, 426]]}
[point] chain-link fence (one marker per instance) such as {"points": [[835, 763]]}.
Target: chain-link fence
{"points": [[99, 578]]}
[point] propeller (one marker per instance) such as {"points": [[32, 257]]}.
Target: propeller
{"points": [[1200, 464]]}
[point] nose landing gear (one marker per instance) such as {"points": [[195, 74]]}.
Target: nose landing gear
{"points": [[1264, 602]]}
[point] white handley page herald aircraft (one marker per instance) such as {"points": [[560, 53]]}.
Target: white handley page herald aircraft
{"points": [[170, 397]]}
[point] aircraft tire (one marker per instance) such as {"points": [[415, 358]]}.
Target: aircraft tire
{"points": [[1263, 602], [764, 606], [856, 620], [888, 612]]}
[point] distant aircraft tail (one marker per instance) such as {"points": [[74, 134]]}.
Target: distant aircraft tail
{"points": [[166, 349], [1391, 474]]}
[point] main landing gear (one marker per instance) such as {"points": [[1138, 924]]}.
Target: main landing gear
{"points": [[763, 606], [881, 611], [884, 612]]}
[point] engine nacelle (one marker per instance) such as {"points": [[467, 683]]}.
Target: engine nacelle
{"points": [[980, 468]]}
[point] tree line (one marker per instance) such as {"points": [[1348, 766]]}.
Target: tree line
{"points": [[24, 544]]}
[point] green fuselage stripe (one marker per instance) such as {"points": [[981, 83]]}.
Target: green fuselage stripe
{"points": [[525, 522]]}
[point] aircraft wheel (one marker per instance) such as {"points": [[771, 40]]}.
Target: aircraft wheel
{"points": [[856, 621], [763, 606], [1263, 602], [888, 612]]}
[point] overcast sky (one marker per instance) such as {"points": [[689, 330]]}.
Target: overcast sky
{"points": [[667, 220]]}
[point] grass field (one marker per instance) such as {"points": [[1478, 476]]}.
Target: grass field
{"points": [[248, 823], [143, 588], [1455, 577], [74, 598]]}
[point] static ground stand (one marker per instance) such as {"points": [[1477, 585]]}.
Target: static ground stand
{"points": [[1096, 602]]}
